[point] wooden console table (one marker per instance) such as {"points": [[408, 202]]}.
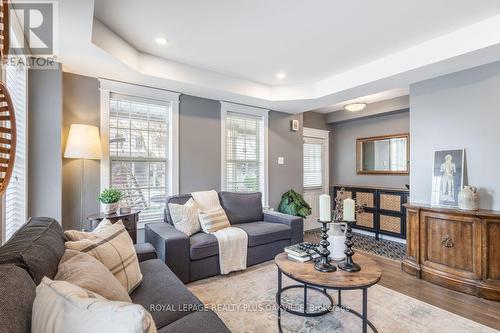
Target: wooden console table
{"points": [[456, 249]]}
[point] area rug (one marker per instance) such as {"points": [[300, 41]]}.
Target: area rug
{"points": [[245, 301], [381, 247]]}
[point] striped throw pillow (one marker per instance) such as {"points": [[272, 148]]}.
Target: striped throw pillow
{"points": [[113, 247], [213, 220], [62, 307]]}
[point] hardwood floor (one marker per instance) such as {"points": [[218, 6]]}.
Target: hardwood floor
{"points": [[478, 309], [474, 308]]}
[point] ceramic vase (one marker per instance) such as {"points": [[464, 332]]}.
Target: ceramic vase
{"points": [[336, 238], [110, 208], [468, 198]]}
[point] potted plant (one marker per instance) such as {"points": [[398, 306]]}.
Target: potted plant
{"points": [[109, 199], [292, 203]]}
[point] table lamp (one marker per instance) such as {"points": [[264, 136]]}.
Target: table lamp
{"points": [[84, 144]]}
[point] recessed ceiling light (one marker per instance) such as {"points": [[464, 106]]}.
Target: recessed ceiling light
{"points": [[354, 107], [161, 41], [280, 75]]}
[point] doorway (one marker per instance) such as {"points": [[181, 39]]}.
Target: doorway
{"points": [[316, 171]]}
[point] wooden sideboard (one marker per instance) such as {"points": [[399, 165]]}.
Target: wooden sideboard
{"points": [[456, 249], [384, 212]]}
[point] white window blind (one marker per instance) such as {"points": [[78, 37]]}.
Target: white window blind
{"points": [[15, 199], [244, 169], [139, 150], [313, 165]]}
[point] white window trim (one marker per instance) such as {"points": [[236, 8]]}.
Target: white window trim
{"points": [[3, 202], [110, 86], [325, 135], [249, 110]]}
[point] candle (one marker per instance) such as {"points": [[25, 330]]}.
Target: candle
{"points": [[325, 210], [348, 207]]}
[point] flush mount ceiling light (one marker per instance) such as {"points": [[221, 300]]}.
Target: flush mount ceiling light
{"points": [[161, 41], [280, 75], [354, 107]]}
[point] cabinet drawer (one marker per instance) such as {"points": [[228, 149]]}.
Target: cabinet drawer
{"points": [[390, 202], [451, 243], [390, 223], [365, 219], [365, 198]]}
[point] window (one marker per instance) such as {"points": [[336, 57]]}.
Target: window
{"points": [[313, 165], [141, 154], [244, 155], [15, 198], [398, 154]]}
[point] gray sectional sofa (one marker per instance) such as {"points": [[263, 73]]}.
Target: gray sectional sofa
{"points": [[35, 251], [197, 257]]}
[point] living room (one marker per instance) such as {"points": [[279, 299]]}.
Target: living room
{"points": [[180, 166]]}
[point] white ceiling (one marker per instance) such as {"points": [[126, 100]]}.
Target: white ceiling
{"points": [[255, 39], [331, 51]]}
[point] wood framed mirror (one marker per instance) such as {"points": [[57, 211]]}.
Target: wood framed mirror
{"points": [[383, 155]]}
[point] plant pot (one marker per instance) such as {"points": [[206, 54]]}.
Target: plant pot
{"points": [[109, 208]]}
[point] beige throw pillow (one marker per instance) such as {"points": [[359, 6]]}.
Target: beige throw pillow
{"points": [[185, 217], [113, 247], [213, 220], [61, 307], [89, 273], [103, 225]]}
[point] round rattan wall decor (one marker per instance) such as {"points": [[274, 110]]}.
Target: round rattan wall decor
{"points": [[7, 138]]}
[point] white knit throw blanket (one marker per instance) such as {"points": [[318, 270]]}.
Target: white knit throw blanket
{"points": [[232, 249], [233, 242]]}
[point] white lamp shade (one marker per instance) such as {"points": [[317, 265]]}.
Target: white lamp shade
{"points": [[83, 142]]}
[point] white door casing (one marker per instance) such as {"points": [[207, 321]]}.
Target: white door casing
{"points": [[311, 194]]}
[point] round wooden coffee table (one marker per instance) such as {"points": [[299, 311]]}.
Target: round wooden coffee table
{"points": [[310, 278]]}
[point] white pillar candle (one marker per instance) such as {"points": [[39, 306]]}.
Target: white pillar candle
{"points": [[348, 209], [325, 211]]}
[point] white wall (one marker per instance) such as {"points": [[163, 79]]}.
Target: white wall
{"points": [[460, 110]]}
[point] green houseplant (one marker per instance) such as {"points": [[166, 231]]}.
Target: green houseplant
{"points": [[109, 199], [292, 203]]}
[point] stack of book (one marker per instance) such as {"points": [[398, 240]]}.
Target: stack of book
{"points": [[302, 252]]}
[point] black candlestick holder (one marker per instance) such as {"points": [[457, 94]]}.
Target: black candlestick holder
{"points": [[323, 262], [348, 265]]}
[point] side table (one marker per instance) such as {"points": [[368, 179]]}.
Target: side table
{"points": [[129, 220]]}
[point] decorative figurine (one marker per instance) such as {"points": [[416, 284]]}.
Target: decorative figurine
{"points": [[468, 198]]}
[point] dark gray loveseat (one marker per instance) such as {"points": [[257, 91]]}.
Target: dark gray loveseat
{"points": [[197, 257], [35, 251]]}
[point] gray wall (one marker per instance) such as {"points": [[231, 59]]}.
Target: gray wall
{"points": [[316, 120], [44, 142], [460, 110], [384, 107], [343, 149], [284, 143], [199, 148], [199, 144], [80, 106]]}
